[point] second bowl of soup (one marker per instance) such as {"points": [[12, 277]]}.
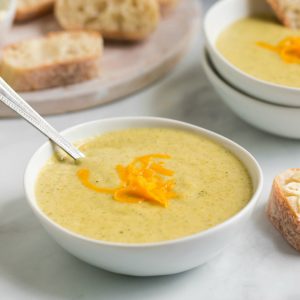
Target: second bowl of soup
{"points": [[253, 51]]}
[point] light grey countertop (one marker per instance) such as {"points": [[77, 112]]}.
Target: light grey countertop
{"points": [[258, 264]]}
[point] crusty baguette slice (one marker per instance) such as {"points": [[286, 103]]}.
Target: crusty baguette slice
{"points": [[287, 11], [59, 58], [284, 206], [115, 19], [31, 9]]}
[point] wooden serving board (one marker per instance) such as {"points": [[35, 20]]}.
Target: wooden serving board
{"points": [[126, 68]]}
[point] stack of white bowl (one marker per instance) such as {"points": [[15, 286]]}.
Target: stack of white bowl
{"points": [[270, 107]]}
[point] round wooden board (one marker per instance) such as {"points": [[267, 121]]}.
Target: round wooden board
{"points": [[126, 68]]}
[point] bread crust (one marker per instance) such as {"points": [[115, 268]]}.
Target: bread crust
{"points": [[52, 74], [288, 16], [168, 4], [281, 214], [28, 13], [278, 9]]}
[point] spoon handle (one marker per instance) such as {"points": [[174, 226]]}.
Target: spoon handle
{"points": [[10, 98]]}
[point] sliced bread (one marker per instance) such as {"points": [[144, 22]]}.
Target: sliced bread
{"points": [[114, 19], [287, 11], [284, 206], [31, 9], [60, 58]]}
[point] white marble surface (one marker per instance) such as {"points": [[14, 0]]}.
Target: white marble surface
{"points": [[257, 265]]}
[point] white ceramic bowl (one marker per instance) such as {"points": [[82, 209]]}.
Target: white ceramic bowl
{"points": [[224, 13], [7, 14], [275, 119], [153, 258]]}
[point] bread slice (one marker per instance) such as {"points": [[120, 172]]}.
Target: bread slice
{"points": [[60, 58], [284, 206], [287, 11], [31, 9], [115, 19]]}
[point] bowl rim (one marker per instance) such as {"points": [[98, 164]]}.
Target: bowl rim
{"points": [[212, 46], [208, 64], [184, 126]]}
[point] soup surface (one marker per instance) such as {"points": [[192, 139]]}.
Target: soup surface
{"points": [[238, 44], [211, 186]]}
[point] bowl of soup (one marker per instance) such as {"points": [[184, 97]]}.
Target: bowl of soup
{"points": [[152, 196], [251, 50]]}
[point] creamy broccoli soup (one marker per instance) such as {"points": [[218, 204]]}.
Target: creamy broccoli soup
{"points": [[144, 185], [263, 48]]}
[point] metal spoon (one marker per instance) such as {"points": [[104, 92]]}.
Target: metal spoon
{"points": [[14, 101]]}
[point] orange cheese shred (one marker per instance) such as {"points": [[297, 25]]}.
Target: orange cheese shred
{"points": [[142, 180], [84, 176], [288, 49]]}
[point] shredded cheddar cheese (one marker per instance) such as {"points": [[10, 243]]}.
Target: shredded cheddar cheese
{"points": [[288, 49], [142, 180], [84, 175]]}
